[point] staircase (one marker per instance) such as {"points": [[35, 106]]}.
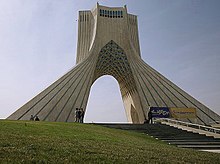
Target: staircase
{"points": [[172, 135]]}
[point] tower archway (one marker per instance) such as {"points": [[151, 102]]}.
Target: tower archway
{"points": [[113, 61], [105, 103]]}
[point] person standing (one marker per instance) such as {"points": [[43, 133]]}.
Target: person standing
{"points": [[82, 115], [77, 115], [32, 118], [150, 117]]}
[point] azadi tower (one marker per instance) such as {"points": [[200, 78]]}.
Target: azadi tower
{"points": [[108, 44]]}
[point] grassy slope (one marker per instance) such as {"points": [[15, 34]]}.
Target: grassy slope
{"points": [[82, 143]]}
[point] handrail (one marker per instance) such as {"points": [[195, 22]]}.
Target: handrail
{"points": [[187, 124]]}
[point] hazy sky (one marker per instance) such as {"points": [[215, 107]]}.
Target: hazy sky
{"points": [[38, 39]]}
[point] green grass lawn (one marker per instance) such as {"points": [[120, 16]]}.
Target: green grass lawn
{"points": [[46, 142]]}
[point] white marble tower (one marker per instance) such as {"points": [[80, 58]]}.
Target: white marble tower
{"points": [[108, 44]]}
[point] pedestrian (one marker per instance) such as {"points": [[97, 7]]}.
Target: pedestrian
{"points": [[32, 118], [37, 118], [82, 115], [150, 117], [77, 115]]}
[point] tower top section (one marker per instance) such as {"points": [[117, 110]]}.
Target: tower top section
{"points": [[110, 8], [102, 24], [109, 12]]}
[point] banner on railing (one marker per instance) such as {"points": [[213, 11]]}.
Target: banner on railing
{"points": [[183, 112], [160, 112]]}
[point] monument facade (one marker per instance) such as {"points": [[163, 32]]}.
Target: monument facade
{"points": [[108, 44]]}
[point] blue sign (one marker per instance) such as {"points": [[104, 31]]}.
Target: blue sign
{"points": [[160, 112]]}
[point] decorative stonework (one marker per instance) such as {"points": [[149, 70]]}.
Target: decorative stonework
{"points": [[113, 61]]}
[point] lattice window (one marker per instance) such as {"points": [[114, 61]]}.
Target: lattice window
{"points": [[113, 61]]}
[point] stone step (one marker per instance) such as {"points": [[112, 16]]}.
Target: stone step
{"points": [[168, 132], [194, 143], [126, 127], [176, 135], [179, 138], [201, 140], [210, 147]]}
